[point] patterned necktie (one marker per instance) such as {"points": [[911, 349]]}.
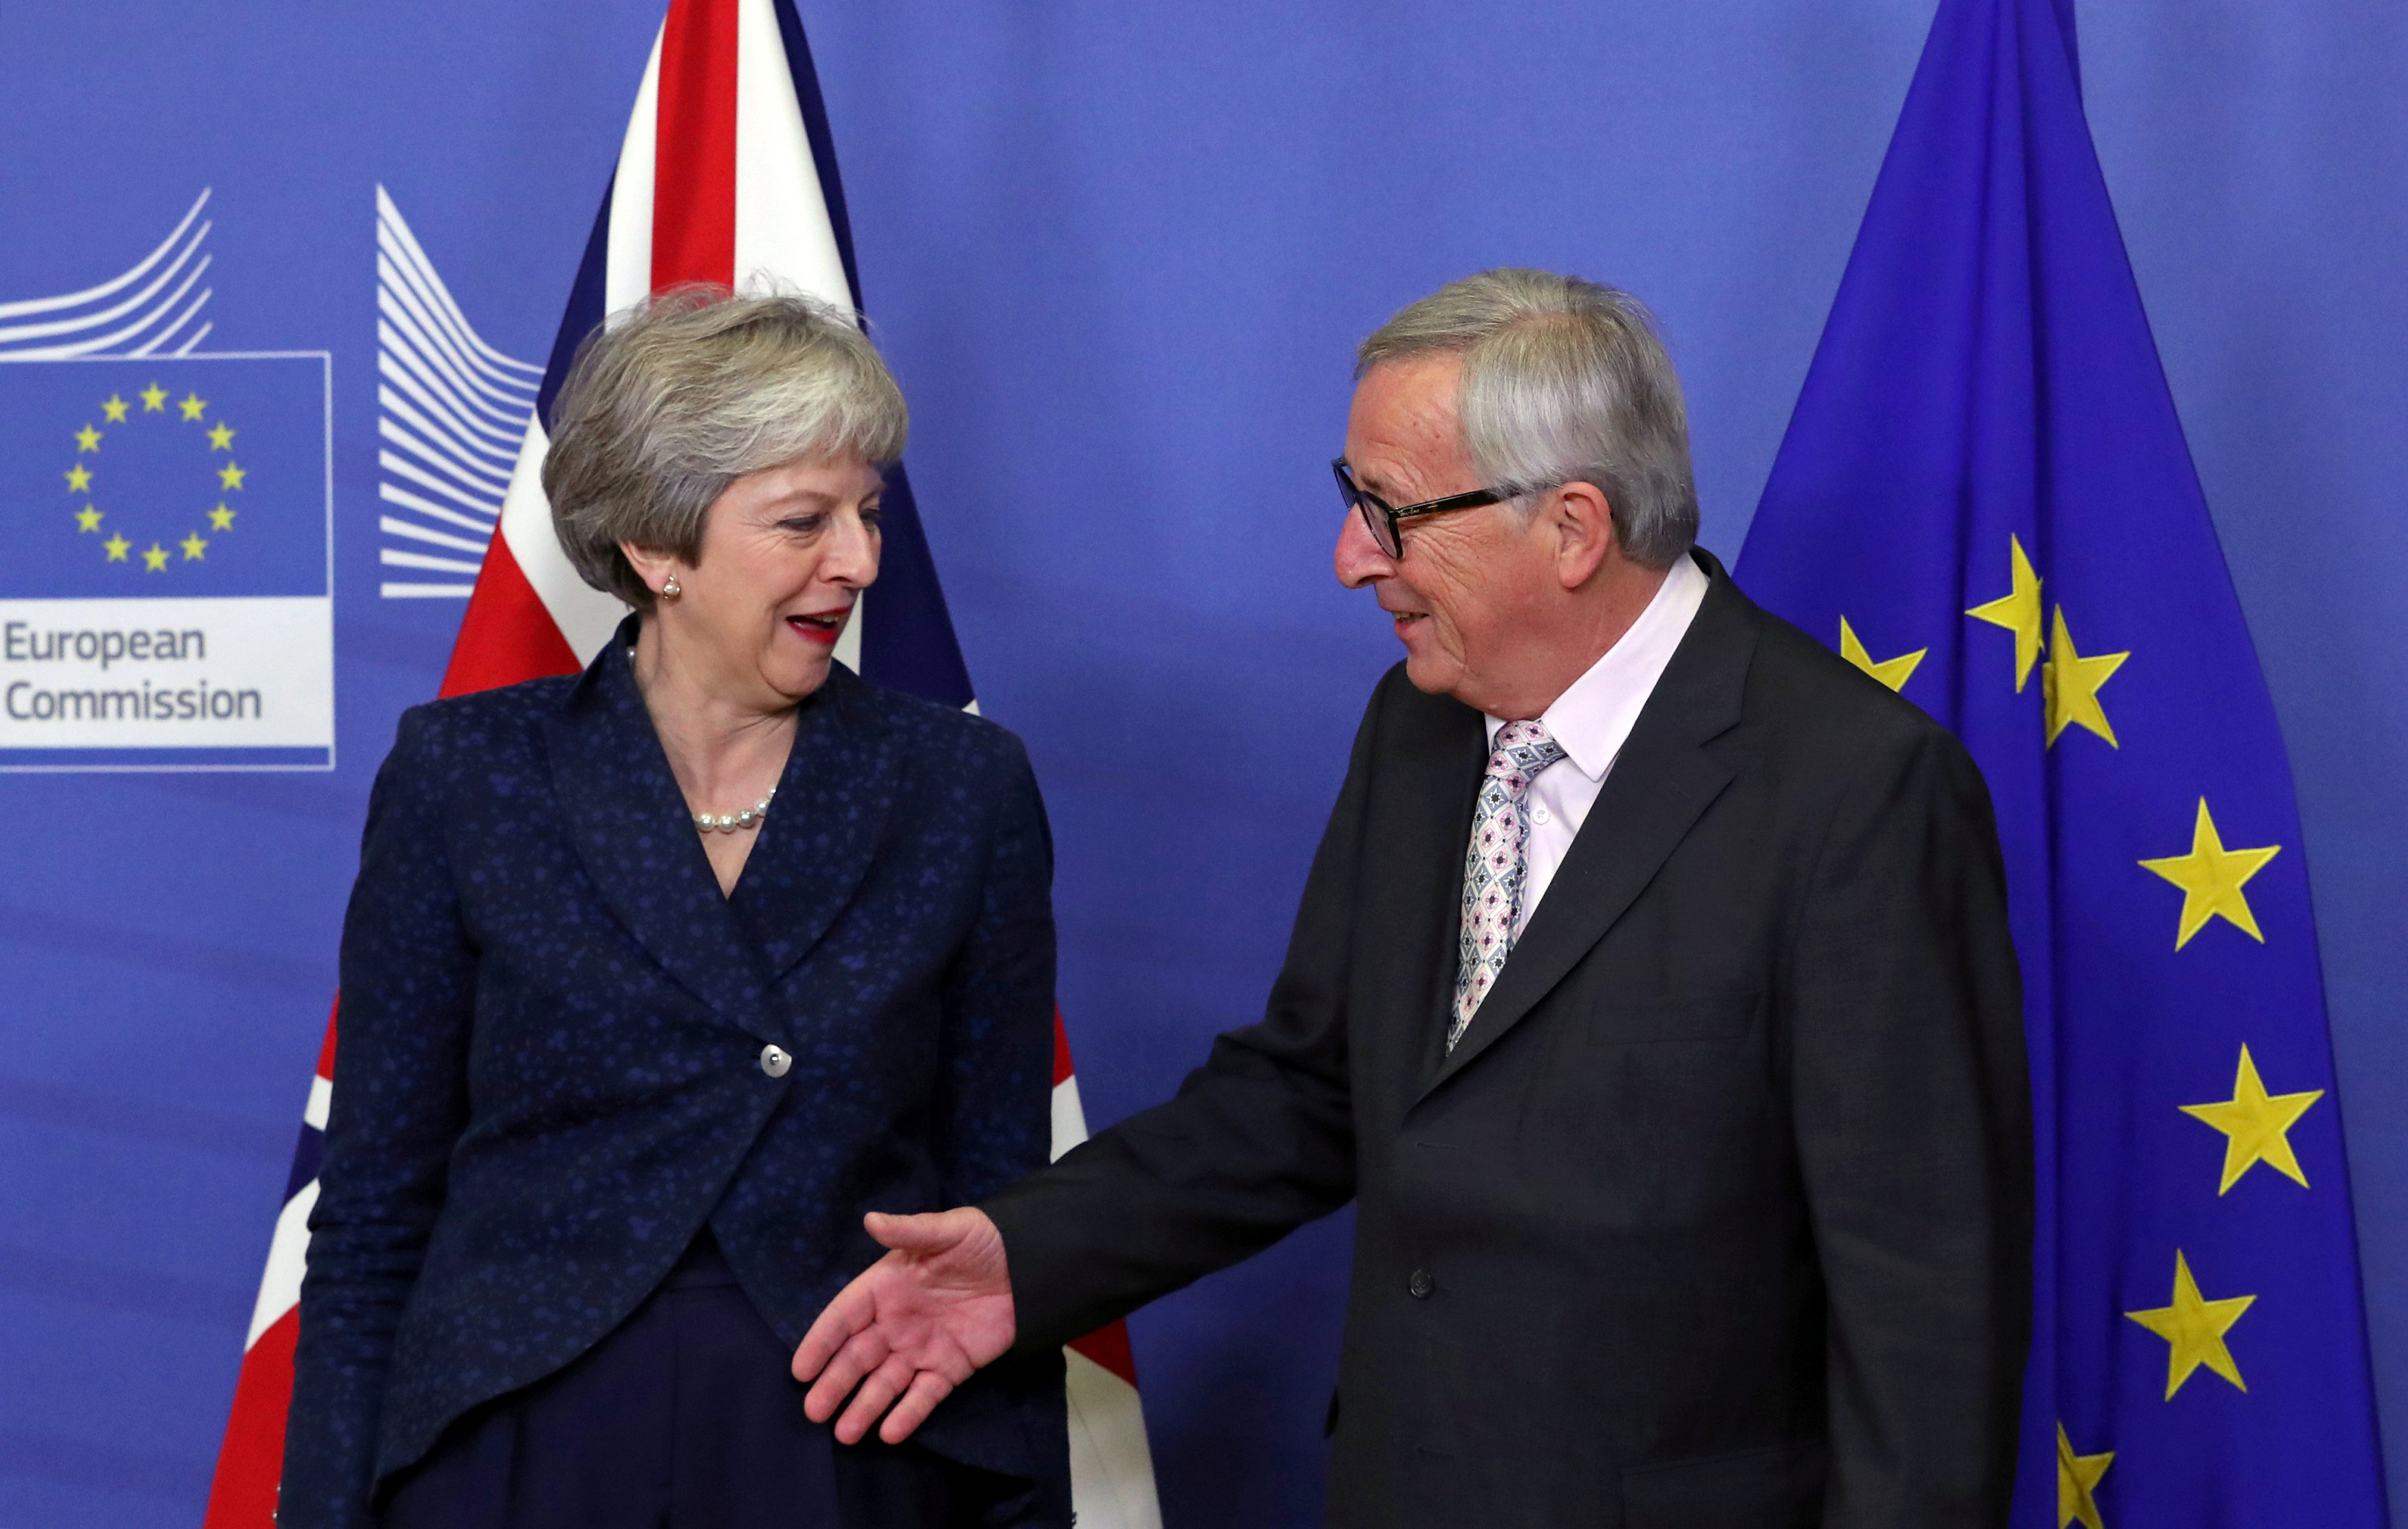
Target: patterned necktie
{"points": [[1495, 863]]}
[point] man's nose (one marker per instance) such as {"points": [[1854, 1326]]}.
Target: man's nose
{"points": [[1359, 559]]}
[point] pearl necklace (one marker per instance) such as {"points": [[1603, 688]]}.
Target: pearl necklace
{"points": [[729, 823], [726, 822]]}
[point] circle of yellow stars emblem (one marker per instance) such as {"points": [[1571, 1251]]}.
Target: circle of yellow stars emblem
{"points": [[86, 489]]}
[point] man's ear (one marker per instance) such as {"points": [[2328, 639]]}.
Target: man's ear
{"points": [[1582, 524]]}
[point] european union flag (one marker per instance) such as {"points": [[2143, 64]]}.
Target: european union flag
{"points": [[1986, 501], [168, 477]]}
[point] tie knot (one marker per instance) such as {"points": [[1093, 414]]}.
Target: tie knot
{"points": [[1522, 749]]}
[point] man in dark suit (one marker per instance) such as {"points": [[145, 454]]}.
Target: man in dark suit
{"points": [[1651, 995]]}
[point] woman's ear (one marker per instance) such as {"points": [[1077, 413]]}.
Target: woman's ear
{"points": [[652, 564]]}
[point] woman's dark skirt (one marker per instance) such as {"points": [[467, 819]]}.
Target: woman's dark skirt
{"points": [[685, 1417]]}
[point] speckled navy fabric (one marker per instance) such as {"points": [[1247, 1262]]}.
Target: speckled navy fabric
{"points": [[548, 1071]]}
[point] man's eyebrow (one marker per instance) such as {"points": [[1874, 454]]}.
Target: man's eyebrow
{"points": [[1374, 480]]}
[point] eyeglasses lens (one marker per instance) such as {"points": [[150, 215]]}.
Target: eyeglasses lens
{"points": [[1383, 533], [1375, 519]]}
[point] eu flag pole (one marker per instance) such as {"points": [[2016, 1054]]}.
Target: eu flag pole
{"points": [[1986, 501]]}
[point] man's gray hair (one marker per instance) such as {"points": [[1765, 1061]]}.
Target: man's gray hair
{"points": [[672, 399], [1564, 380]]}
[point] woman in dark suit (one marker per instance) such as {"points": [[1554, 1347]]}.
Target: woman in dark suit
{"points": [[655, 980]]}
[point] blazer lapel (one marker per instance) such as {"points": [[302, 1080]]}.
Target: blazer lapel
{"points": [[1663, 781], [823, 831], [1413, 872], [630, 825]]}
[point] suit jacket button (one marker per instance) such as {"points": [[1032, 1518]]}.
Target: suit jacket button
{"points": [[775, 1061], [1421, 1284]]}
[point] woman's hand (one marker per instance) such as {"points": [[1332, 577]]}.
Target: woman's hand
{"points": [[913, 1325]]}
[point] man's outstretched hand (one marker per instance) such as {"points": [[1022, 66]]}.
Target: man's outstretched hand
{"points": [[914, 1325]]}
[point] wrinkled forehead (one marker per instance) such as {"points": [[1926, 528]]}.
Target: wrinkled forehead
{"points": [[1403, 440]]}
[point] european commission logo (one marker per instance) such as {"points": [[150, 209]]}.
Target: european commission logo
{"points": [[90, 516], [165, 602], [451, 421], [191, 476]]}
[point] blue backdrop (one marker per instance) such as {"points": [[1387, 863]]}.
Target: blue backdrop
{"points": [[1118, 257]]}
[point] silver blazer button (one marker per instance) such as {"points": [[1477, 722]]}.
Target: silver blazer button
{"points": [[775, 1061]]}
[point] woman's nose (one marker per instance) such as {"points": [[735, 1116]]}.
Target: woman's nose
{"points": [[851, 554]]}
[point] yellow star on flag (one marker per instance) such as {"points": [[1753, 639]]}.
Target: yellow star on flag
{"points": [[114, 409], [78, 479], [87, 439], [2254, 1123], [154, 399], [193, 404], [2018, 610], [1893, 672], [117, 547], [2193, 1330], [154, 560], [2211, 877], [221, 518], [230, 477], [2077, 1478], [194, 548], [2070, 684], [87, 519], [222, 439]]}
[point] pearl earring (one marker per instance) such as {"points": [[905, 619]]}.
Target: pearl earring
{"points": [[670, 588]]}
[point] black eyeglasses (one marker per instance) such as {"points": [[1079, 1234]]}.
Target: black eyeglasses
{"points": [[1382, 517]]}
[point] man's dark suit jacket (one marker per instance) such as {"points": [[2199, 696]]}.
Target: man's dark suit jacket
{"points": [[1719, 1215], [549, 1067]]}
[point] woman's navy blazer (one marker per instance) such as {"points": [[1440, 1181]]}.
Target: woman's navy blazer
{"points": [[550, 1069]]}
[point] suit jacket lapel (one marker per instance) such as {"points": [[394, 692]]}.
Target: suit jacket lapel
{"points": [[1415, 858], [823, 831], [630, 825], [1663, 781]]}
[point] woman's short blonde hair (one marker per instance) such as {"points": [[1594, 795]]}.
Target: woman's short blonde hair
{"points": [[671, 400]]}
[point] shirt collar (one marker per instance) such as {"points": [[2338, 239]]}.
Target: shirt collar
{"points": [[1595, 713]]}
